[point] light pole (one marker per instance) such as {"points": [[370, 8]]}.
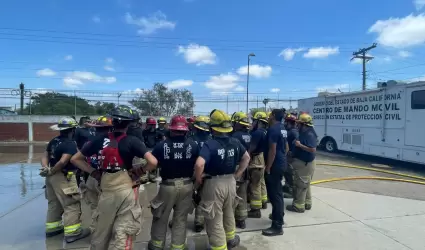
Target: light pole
{"points": [[247, 82], [119, 95]]}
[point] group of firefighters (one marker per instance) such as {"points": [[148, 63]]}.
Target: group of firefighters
{"points": [[222, 167]]}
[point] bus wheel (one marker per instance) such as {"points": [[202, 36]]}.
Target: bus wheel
{"points": [[330, 145]]}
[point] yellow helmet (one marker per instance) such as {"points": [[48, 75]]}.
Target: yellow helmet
{"points": [[262, 116], [241, 118], [162, 120], [202, 123], [268, 114], [65, 123], [220, 121], [306, 119]]}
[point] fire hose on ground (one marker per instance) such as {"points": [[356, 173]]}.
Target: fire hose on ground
{"points": [[419, 179]]}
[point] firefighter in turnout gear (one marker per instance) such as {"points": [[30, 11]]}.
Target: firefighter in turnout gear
{"points": [[201, 134], [61, 184], [290, 127], [257, 187], [176, 156], [304, 154], [119, 214], [90, 187], [241, 132], [215, 168], [151, 138], [190, 121]]}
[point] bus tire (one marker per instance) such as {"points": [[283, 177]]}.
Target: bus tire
{"points": [[330, 145]]}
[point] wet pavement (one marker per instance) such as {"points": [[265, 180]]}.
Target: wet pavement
{"points": [[379, 215]]}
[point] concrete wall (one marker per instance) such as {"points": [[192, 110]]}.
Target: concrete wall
{"points": [[25, 128]]}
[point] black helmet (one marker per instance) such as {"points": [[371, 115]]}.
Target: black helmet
{"points": [[136, 115], [122, 114]]}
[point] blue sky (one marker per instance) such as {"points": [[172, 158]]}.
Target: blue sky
{"points": [[301, 47]]}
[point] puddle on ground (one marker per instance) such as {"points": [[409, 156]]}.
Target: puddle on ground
{"points": [[19, 183]]}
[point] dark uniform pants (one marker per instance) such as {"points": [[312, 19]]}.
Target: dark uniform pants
{"points": [[218, 204], [275, 193], [303, 174], [176, 195]]}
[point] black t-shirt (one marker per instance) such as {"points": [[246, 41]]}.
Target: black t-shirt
{"points": [[177, 157], [276, 134], [200, 138], [136, 131], [82, 135], [59, 146], [221, 155], [150, 137], [161, 133], [128, 148]]}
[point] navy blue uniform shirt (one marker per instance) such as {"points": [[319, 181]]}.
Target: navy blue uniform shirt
{"points": [[276, 134], [221, 155], [177, 157], [244, 138], [292, 136], [307, 138], [259, 139]]}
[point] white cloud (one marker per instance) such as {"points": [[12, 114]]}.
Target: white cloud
{"points": [[358, 60], [96, 19], [334, 88], [109, 68], [197, 54], [72, 82], [275, 90], [45, 72], [321, 52], [288, 54], [239, 88], [256, 71], [181, 83], [419, 4], [404, 53], [40, 91], [134, 91], [68, 58], [73, 79], [400, 32], [150, 24], [109, 60], [223, 82]]}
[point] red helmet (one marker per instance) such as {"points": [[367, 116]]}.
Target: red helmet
{"points": [[150, 121], [179, 123], [290, 117], [190, 119]]}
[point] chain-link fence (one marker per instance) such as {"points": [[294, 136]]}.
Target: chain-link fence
{"points": [[14, 101]]}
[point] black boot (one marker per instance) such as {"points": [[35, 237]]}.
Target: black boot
{"points": [[254, 213], [273, 231], [293, 208], [271, 217], [199, 228], [240, 224], [152, 247], [233, 243], [307, 206], [170, 224], [83, 234], [264, 205], [54, 233]]}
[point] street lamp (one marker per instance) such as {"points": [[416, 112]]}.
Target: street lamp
{"points": [[247, 82]]}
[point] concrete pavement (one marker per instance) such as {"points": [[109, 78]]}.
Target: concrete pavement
{"points": [[339, 220]]}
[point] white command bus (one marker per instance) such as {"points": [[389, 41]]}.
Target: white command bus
{"points": [[388, 121]]}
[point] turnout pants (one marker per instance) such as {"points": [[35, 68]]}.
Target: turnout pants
{"points": [[275, 192], [303, 174], [63, 202], [241, 211], [91, 192], [257, 187], [176, 195], [218, 203], [119, 214]]}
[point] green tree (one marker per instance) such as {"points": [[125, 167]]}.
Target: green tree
{"points": [[160, 101], [52, 103]]}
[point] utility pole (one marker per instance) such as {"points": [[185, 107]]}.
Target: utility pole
{"points": [[361, 54], [22, 94]]}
